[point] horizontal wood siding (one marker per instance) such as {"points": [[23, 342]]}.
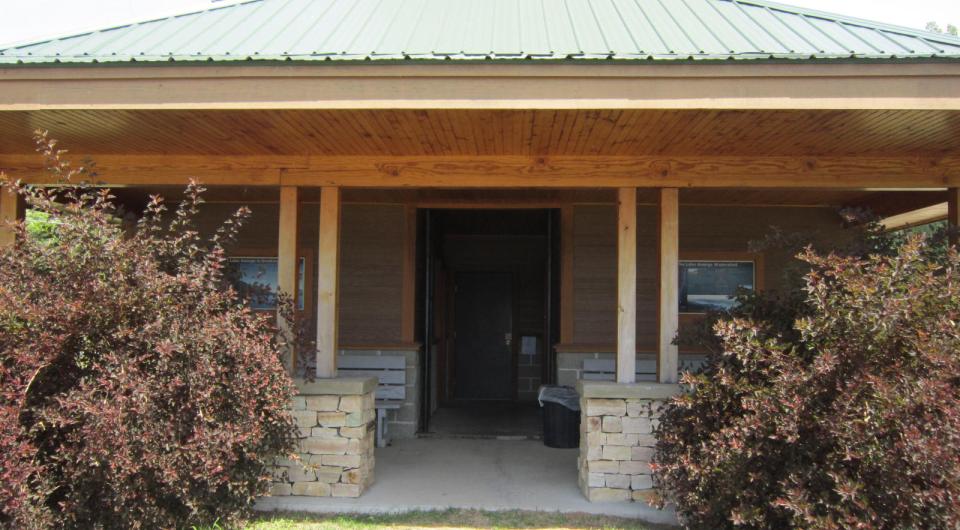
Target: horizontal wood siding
{"points": [[371, 261], [371, 274], [702, 229], [595, 274]]}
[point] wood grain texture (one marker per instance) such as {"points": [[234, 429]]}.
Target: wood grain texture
{"points": [[408, 300], [953, 213], [669, 319], [626, 285], [432, 132], [372, 281], [849, 173], [12, 209], [566, 274], [287, 266], [328, 261]]}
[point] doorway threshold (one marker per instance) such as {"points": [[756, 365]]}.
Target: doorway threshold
{"points": [[487, 421]]}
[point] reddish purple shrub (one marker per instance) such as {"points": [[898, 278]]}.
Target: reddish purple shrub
{"points": [[137, 389], [849, 419]]}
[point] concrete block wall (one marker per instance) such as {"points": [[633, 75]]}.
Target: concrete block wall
{"points": [[529, 370], [335, 458], [617, 439], [570, 366], [403, 422]]}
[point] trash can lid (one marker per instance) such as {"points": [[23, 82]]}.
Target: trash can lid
{"points": [[561, 395]]}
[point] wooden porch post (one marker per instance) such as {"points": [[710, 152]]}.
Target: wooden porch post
{"points": [[288, 265], [669, 317], [12, 208], [953, 214], [328, 260], [627, 285]]}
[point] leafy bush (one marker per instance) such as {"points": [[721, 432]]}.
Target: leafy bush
{"points": [[136, 390], [833, 407]]}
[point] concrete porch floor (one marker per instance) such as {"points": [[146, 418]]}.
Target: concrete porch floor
{"points": [[441, 473]]}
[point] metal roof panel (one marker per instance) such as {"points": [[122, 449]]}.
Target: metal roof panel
{"points": [[469, 30]]}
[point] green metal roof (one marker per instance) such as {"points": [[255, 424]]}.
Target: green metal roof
{"points": [[355, 30]]}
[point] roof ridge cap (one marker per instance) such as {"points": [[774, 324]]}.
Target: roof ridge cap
{"points": [[118, 25], [894, 28]]}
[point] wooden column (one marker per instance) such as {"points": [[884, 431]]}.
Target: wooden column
{"points": [[627, 285], [408, 297], [12, 209], [669, 309], [566, 274], [328, 261], [953, 214], [287, 263]]}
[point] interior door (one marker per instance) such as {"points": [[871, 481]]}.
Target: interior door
{"points": [[483, 323]]}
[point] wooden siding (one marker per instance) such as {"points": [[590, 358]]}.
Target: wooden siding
{"points": [[371, 262], [372, 259], [702, 229], [371, 274]]}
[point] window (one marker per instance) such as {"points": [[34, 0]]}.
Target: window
{"points": [[710, 285], [256, 279]]}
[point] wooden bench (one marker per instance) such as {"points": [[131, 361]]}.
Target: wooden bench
{"points": [[391, 372], [606, 369]]}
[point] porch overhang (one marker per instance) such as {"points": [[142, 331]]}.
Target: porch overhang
{"points": [[838, 85]]}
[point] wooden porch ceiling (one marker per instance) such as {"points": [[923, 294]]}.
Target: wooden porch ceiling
{"points": [[812, 156], [490, 132]]}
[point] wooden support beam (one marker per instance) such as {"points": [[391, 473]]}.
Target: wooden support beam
{"points": [[953, 214], [12, 209], [627, 285], [408, 295], [669, 308], [566, 275], [328, 261], [288, 265], [513, 171]]}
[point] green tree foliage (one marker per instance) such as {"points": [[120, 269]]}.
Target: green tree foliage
{"points": [[950, 30]]}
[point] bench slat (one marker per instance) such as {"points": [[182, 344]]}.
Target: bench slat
{"points": [[391, 392]]}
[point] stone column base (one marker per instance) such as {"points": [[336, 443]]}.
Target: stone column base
{"points": [[616, 438], [336, 418]]}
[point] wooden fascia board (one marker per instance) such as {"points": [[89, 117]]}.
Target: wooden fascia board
{"points": [[535, 86], [512, 171]]}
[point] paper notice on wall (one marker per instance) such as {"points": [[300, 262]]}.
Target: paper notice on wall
{"points": [[528, 345]]}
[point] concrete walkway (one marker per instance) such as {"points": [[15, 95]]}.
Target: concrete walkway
{"points": [[436, 474]]}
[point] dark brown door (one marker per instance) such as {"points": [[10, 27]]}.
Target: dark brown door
{"points": [[483, 322]]}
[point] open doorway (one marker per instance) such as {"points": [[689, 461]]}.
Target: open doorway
{"points": [[491, 311]]}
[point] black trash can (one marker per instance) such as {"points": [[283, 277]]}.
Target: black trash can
{"points": [[561, 417]]}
